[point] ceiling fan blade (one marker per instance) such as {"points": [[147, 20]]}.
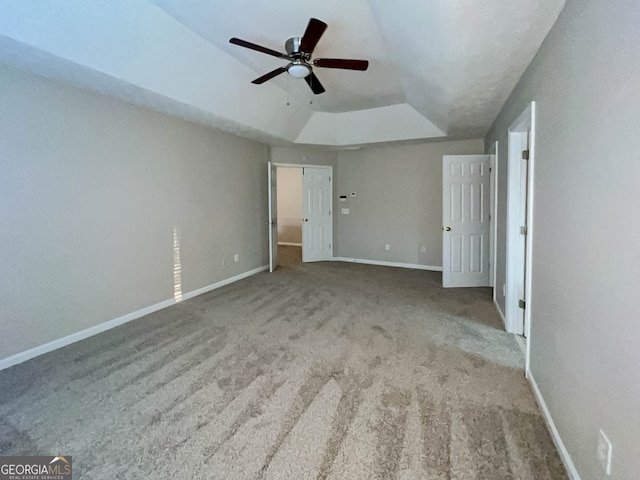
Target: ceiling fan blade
{"points": [[270, 75], [253, 46], [312, 34], [341, 63], [314, 83]]}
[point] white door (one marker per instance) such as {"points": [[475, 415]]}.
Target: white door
{"points": [[273, 216], [521, 253], [520, 175], [317, 222], [465, 216]]}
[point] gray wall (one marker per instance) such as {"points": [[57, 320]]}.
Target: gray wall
{"points": [[289, 205], [585, 340], [90, 191], [398, 202]]}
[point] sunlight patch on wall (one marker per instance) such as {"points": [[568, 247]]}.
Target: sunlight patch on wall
{"points": [[177, 267]]}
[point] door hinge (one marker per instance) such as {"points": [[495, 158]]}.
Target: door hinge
{"points": [[525, 154], [522, 304], [523, 230]]}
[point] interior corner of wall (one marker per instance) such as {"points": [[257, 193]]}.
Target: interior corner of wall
{"points": [[320, 129]]}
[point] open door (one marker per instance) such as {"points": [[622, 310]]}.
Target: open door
{"points": [[521, 245], [273, 216], [317, 224], [520, 199], [465, 216]]}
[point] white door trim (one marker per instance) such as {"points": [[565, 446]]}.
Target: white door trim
{"points": [[303, 165], [299, 165], [514, 269], [493, 151], [273, 215]]}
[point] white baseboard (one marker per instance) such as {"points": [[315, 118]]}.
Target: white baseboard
{"points": [[222, 283], [290, 244], [383, 263], [562, 450], [108, 325], [81, 335]]}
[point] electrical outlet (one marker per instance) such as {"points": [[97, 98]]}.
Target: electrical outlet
{"points": [[387, 246], [604, 452], [236, 257], [423, 249]]}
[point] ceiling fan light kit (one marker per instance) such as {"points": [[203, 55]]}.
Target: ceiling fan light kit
{"points": [[299, 50], [298, 70]]}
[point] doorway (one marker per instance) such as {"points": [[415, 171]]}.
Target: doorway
{"points": [[520, 181], [289, 211], [308, 220]]}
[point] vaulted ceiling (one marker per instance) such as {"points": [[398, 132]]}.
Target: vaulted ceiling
{"points": [[438, 68]]}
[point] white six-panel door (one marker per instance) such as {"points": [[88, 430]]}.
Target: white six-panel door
{"points": [[317, 222], [465, 216]]}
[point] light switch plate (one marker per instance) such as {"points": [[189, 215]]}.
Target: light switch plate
{"points": [[344, 211]]}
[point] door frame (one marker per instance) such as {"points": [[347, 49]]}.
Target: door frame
{"points": [[524, 124], [493, 216], [272, 199], [303, 165]]}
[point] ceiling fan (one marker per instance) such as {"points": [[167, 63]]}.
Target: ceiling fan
{"points": [[299, 50]]}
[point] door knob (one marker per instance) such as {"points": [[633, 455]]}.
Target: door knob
{"points": [[306, 219], [446, 229]]}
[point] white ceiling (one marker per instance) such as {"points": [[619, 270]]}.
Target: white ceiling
{"points": [[437, 68]]}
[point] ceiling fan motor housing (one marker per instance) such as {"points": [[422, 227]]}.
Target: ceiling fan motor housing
{"points": [[292, 47], [299, 66]]}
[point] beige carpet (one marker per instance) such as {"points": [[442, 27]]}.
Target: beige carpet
{"points": [[317, 371]]}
